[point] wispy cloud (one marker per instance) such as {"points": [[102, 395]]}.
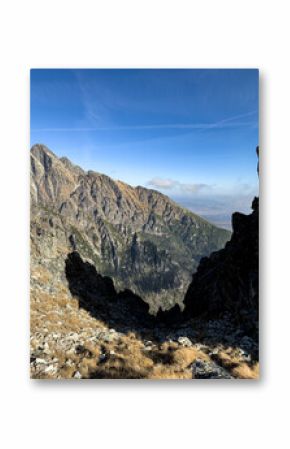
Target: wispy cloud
{"points": [[171, 184], [225, 123]]}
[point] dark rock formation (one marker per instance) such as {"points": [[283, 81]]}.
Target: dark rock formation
{"points": [[98, 296], [171, 317], [228, 280], [84, 280]]}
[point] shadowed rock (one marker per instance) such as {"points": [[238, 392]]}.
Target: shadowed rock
{"points": [[84, 280], [170, 317], [98, 296], [228, 280]]}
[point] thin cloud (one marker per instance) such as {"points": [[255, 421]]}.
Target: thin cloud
{"points": [[171, 184], [225, 123]]}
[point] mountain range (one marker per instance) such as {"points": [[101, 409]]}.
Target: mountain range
{"points": [[138, 237]]}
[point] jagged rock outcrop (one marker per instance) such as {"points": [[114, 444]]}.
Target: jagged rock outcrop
{"points": [[98, 296], [85, 281], [228, 280], [171, 317], [138, 237]]}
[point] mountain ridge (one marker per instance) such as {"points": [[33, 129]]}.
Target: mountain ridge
{"points": [[69, 164], [140, 237]]}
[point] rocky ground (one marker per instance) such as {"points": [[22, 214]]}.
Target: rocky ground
{"points": [[68, 342]]}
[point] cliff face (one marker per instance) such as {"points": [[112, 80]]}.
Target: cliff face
{"points": [[140, 238], [228, 280]]}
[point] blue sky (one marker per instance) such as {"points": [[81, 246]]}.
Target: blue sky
{"points": [[188, 133]]}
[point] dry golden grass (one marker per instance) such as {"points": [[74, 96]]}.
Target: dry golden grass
{"points": [[160, 372], [67, 372], [227, 359], [184, 357], [125, 357], [236, 366], [59, 312], [42, 274], [179, 361], [245, 371], [131, 194]]}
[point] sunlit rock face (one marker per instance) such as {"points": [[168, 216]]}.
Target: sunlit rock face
{"points": [[138, 237]]}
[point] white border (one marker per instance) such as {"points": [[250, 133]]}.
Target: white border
{"points": [[144, 34]]}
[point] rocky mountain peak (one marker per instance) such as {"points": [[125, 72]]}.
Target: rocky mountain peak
{"points": [[139, 237]]}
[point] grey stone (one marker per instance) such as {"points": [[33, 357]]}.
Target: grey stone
{"points": [[208, 370], [184, 341]]}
